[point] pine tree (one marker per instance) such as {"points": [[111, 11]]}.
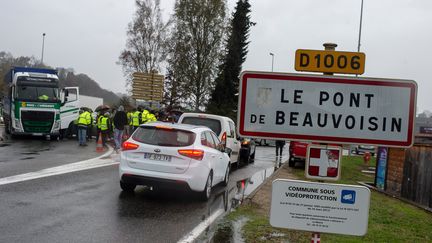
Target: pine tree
{"points": [[224, 97]]}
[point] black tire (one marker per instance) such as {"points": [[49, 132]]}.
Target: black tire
{"points": [[291, 163], [205, 194], [127, 187], [244, 160], [226, 177], [252, 158], [7, 126]]}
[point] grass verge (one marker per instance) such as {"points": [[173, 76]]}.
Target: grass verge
{"points": [[390, 220]]}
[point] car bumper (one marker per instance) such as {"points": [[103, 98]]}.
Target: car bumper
{"points": [[194, 178], [156, 182]]}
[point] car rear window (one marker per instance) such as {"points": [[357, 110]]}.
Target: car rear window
{"points": [[213, 124], [164, 137]]}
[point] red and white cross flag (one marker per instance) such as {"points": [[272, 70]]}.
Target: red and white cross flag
{"points": [[323, 162]]}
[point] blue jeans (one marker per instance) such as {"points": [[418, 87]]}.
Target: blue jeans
{"points": [[82, 135], [118, 135]]}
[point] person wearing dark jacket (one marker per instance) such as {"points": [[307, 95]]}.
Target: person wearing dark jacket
{"points": [[279, 147], [120, 121]]}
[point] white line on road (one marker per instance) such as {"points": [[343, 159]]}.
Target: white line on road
{"points": [[62, 169], [197, 231]]}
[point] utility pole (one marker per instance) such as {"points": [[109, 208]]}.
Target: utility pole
{"points": [[360, 29], [271, 54], [43, 45]]}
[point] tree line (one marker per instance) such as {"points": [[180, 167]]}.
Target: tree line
{"points": [[200, 48]]}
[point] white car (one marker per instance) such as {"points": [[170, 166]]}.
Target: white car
{"points": [[175, 156], [223, 126]]}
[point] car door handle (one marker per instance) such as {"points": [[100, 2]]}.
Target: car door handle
{"points": [[213, 156]]}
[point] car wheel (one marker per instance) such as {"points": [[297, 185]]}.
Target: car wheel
{"points": [[291, 163], [252, 158], [205, 194], [226, 178], [244, 160], [127, 187]]}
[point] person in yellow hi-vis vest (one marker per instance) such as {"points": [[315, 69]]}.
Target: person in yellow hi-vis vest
{"points": [[136, 117], [84, 120], [151, 117], [129, 125], [105, 125], [98, 121], [144, 116]]}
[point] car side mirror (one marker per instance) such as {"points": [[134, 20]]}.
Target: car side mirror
{"points": [[226, 150]]}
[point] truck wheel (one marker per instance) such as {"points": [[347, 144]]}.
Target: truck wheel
{"points": [[7, 126]]}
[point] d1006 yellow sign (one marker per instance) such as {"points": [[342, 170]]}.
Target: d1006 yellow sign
{"points": [[330, 61]]}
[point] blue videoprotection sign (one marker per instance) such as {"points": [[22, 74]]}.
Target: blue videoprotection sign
{"points": [[320, 207]]}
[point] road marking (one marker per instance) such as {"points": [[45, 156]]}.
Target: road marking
{"points": [[62, 169], [197, 231]]}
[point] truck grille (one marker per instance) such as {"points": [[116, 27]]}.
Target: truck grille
{"points": [[37, 121]]}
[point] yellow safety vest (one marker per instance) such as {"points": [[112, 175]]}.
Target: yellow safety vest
{"points": [[43, 97], [129, 117], [135, 119], [84, 118], [151, 117], [104, 123], [98, 122], [144, 116]]}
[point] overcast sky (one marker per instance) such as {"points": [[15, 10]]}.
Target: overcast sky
{"points": [[88, 36]]}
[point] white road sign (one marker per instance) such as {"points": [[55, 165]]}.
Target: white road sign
{"points": [[330, 109], [320, 207]]}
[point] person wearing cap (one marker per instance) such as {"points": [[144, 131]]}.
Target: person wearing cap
{"points": [[120, 121], [105, 127]]}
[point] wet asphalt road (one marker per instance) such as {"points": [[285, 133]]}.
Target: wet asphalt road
{"points": [[27, 154], [88, 206]]}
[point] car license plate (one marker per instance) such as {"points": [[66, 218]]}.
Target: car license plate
{"points": [[159, 157]]}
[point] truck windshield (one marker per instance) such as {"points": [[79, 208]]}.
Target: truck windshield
{"points": [[37, 93]]}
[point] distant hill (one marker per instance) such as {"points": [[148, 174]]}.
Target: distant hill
{"points": [[87, 86]]}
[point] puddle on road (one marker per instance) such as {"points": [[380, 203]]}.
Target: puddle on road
{"points": [[30, 153], [232, 198]]}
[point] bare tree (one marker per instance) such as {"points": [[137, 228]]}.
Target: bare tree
{"points": [[197, 40], [147, 40]]}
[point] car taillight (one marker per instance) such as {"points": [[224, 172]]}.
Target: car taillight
{"points": [[129, 146], [223, 140], [192, 153]]}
